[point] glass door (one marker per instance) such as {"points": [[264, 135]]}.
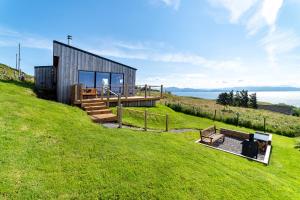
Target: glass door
{"points": [[102, 80], [117, 83]]}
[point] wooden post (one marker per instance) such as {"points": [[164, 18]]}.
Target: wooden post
{"points": [[76, 93], [81, 95], [102, 92], [119, 100], [161, 91], [108, 94], [145, 91], [119, 112], [149, 91], [145, 120], [237, 118], [215, 115], [126, 91], [265, 124], [167, 122]]}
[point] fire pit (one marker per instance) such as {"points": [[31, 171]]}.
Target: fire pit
{"points": [[255, 146]]}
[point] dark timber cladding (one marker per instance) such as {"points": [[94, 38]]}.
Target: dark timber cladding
{"points": [[69, 60], [44, 77]]}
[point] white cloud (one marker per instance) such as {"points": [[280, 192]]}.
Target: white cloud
{"points": [[172, 3], [258, 15], [11, 38], [266, 15], [237, 8], [162, 55], [279, 42]]}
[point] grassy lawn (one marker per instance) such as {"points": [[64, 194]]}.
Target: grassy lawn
{"points": [[157, 119], [54, 151], [252, 118]]}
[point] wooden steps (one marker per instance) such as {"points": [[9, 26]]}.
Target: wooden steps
{"points": [[98, 111], [104, 118]]}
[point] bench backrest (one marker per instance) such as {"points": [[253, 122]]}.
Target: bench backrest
{"points": [[208, 132], [234, 134], [92, 91]]}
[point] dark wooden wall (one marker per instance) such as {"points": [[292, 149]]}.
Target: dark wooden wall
{"points": [[43, 76], [72, 59]]}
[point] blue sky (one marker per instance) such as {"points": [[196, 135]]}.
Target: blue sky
{"points": [[183, 43]]}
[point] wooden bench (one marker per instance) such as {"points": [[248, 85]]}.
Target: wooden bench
{"points": [[88, 92], [210, 135]]}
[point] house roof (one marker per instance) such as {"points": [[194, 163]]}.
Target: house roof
{"points": [[54, 41], [43, 66]]}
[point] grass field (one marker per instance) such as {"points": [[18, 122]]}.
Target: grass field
{"points": [[252, 118], [54, 151], [157, 119], [9, 73]]}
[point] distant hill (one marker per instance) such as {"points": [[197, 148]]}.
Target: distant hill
{"points": [[9, 73], [249, 88]]}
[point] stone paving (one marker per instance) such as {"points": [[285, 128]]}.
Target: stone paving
{"points": [[233, 145]]}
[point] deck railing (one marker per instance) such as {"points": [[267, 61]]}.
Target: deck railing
{"points": [[79, 92]]}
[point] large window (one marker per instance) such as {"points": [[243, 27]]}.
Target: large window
{"points": [[87, 79], [102, 80], [91, 79], [117, 83]]}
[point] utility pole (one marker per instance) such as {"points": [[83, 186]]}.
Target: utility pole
{"points": [[69, 37], [19, 63], [16, 61]]}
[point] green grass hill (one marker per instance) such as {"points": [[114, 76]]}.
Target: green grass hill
{"points": [[9, 73], [54, 151]]}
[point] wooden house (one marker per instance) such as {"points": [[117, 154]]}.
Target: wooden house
{"points": [[78, 75]]}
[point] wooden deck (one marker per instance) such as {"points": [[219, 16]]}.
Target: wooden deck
{"points": [[99, 111], [123, 99]]}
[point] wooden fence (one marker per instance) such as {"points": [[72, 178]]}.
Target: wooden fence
{"points": [[146, 119]]}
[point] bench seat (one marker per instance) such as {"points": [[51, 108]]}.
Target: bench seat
{"points": [[210, 135]]}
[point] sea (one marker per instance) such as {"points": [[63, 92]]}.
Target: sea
{"points": [[275, 97]]}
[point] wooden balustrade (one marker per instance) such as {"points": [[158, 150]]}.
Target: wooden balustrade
{"points": [[79, 92]]}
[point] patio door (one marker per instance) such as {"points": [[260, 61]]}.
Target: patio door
{"points": [[117, 83], [102, 80]]}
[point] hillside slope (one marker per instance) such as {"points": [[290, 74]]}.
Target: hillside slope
{"points": [[51, 150], [9, 73], [251, 118]]}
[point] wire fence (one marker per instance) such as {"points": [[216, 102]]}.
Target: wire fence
{"points": [[249, 118], [143, 119]]}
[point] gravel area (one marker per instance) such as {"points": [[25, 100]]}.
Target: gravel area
{"points": [[116, 125], [233, 145]]}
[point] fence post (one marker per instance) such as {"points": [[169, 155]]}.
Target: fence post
{"points": [[145, 91], [237, 119], [119, 100], [215, 115], [145, 120], [149, 91], [120, 110], [265, 124], [167, 122], [161, 91]]}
